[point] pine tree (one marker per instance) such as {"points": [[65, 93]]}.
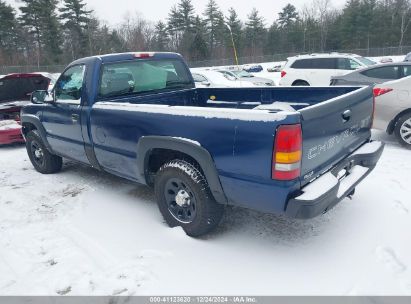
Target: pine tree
{"points": [[40, 18], [8, 29], [215, 26], [236, 27], [255, 32], [162, 38], [75, 19], [186, 15], [287, 16], [198, 48]]}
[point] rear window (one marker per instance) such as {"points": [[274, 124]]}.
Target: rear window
{"points": [[389, 72], [20, 89], [143, 76]]}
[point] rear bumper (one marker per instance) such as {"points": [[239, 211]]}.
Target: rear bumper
{"points": [[11, 136], [328, 190]]}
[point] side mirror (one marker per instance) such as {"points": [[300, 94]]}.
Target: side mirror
{"points": [[41, 96], [206, 83]]}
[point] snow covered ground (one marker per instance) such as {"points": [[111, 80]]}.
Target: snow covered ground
{"points": [[82, 232]]}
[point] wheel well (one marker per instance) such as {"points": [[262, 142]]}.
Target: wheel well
{"points": [[300, 80], [393, 123], [158, 157], [27, 127]]}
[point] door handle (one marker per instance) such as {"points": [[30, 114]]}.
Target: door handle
{"points": [[75, 118], [346, 115]]}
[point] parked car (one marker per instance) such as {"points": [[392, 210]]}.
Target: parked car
{"points": [[253, 68], [15, 92], [275, 69], [408, 57], [215, 79], [375, 74], [317, 69], [386, 60], [393, 109], [139, 116], [245, 76]]}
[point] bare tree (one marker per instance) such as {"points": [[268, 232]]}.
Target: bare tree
{"points": [[323, 15], [137, 32], [405, 16]]}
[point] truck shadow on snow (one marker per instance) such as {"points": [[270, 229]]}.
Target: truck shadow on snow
{"points": [[236, 221]]}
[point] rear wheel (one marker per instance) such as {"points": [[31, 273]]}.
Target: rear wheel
{"points": [[301, 83], [42, 160], [403, 130], [185, 200]]}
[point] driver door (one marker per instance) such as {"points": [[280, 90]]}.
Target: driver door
{"points": [[62, 119]]}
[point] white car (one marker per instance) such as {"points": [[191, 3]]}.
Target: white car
{"points": [[245, 76], [213, 79], [317, 69], [393, 109]]}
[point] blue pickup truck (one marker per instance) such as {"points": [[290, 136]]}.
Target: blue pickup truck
{"points": [[285, 150]]}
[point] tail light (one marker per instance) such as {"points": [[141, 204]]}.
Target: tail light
{"points": [[287, 152], [283, 73], [380, 91]]}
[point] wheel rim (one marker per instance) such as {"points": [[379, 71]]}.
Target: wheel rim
{"points": [[180, 200], [405, 131], [37, 153]]}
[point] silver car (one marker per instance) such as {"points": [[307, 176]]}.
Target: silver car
{"points": [[374, 74], [245, 76], [393, 109]]}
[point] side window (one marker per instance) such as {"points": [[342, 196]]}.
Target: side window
{"points": [[347, 64], [406, 71], [389, 72], [70, 83], [199, 78], [324, 63], [302, 64], [354, 65]]}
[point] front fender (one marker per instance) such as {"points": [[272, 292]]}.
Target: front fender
{"points": [[202, 156], [35, 121]]}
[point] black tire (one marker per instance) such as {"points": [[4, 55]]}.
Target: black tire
{"points": [[202, 213], [43, 161], [301, 83], [402, 129]]}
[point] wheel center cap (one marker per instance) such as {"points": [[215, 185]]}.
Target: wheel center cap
{"points": [[38, 153], [183, 198]]}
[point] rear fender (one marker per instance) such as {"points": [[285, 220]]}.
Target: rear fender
{"points": [[202, 156], [393, 123]]}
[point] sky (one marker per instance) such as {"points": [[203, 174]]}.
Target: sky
{"points": [[113, 11]]}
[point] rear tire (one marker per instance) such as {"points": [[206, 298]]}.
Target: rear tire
{"points": [[185, 200], [301, 83], [43, 161], [403, 130]]}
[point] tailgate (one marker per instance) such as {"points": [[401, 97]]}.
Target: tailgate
{"points": [[333, 129]]}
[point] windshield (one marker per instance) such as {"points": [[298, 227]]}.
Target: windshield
{"points": [[365, 61], [243, 74], [20, 88]]}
